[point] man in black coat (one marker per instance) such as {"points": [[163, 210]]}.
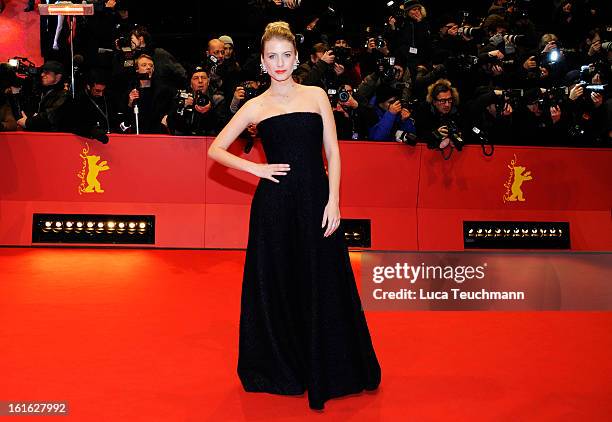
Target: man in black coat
{"points": [[93, 114], [55, 102]]}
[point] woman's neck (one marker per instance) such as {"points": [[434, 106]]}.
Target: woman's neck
{"points": [[283, 88]]}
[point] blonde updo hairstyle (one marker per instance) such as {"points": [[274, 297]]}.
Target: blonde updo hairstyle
{"points": [[279, 30]]}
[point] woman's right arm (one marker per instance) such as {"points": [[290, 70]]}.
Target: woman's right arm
{"points": [[218, 149]]}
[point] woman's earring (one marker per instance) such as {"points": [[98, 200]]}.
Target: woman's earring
{"points": [[263, 69], [296, 64]]}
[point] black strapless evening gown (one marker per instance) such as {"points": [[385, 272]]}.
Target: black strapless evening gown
{"points": [[301, 323]]}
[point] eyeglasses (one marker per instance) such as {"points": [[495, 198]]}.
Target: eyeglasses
{"points": [[444, 100]]}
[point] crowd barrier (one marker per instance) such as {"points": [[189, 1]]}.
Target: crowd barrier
{"points": [[414, 199]]}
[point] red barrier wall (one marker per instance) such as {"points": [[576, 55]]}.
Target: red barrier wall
{"points": [[414, 199]]}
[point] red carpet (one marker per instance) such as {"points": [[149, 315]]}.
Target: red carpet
{"points": [[19, 32], [151, 335]]}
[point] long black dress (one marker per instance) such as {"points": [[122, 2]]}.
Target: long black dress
{"points": [[301, 323]]}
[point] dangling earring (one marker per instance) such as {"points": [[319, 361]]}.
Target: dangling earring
{"points": [[263, 69], [296, 64]]}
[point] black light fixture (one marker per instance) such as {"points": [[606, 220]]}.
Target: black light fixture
{"points": [[515, 235], [93, 228], [357, 232]]}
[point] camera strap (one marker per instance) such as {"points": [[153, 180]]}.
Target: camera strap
{"points": [[105, 114]]}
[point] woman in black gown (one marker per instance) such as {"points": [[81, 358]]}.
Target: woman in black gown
{"points": [[301, 323]]}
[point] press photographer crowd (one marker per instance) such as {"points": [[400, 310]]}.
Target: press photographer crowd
{"points": [[507, 73]]}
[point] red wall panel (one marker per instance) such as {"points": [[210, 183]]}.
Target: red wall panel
{"points": [[414, 199]]}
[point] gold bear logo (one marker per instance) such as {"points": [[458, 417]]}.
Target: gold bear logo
{"points": [[90, 171], [518, 175]]}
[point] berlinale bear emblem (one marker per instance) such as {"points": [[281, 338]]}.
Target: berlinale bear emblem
{"points": [[518, 175], [90, 171]]}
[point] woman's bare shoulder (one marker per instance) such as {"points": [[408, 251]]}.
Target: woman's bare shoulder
{"points": [[313, 91]]}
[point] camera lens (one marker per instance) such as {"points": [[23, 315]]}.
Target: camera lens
{"points": [[343, 95], [202, 100]]}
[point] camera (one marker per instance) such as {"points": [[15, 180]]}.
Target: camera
{"points": [[470, 31], [201, 99], [553, 97], [181, 96], [23, 66], [249, 91], [385, 68], [410, 104], [379, 42], [124, 42], [599, 88], [338, 95], [453, 133], [587, 72], [343, 95], [508, 96], [342, 55], [513, 96], [405, 137], [124, 45], [462, 63], [212, 62]]}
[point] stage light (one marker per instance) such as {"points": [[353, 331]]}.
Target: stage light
{"points": [[518, 235], [357, 232], [60, 228]]}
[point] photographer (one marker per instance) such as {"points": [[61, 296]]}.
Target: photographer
{"points": [[586, 109], [413, 40], [375, 48], [168, 71], [438, 121], [92, 110], [54, 107], [147, 99], [353, 120], [392, 116], [540, 119], [227, 68], [490, 112], [546, 66], [193, 113], [321, 70], [343, 57], [390, 72]]}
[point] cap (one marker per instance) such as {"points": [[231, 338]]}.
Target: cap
{"points": [[411, 4], [199, 68], [226, 39], [53, 66]]}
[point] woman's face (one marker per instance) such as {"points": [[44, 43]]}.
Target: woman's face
{"points": [[278, 58]]}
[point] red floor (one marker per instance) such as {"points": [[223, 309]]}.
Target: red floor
{"points": [[151, 335]]}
